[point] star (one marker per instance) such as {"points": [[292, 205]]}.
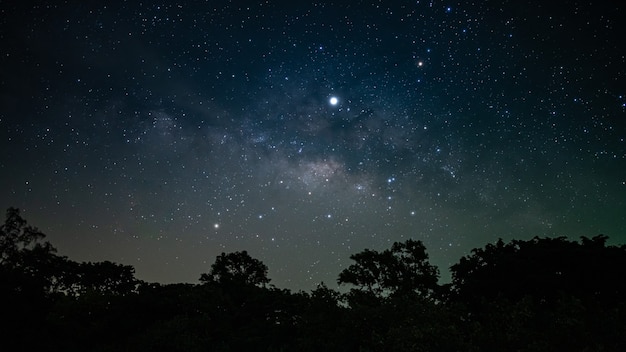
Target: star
{"points": [[333, 101]]}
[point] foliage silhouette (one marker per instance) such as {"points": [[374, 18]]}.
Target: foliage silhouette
{"points": [[237, 268], [26, 278], [532, 295], [402, 269], [544, 294], [542, 268]]}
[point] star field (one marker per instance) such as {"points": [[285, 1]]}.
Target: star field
{"points": [[160, 135]]}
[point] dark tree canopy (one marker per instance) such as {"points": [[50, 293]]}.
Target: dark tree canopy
{"points": [[26, 261], [542, 268], [237, 268], [402, 269], [99, 278], [17, 238], [544, 294]]}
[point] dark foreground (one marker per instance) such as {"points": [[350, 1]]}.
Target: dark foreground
{"points": [[546, 294]]}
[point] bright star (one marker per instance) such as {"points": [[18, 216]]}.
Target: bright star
{"points": [[333, 100]]}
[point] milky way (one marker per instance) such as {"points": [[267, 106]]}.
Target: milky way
{"points": [[160, 135]]}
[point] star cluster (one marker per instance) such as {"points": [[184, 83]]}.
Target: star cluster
{"points": [[161, 134]]}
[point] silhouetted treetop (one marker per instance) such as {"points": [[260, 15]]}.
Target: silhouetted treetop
{"points": [[17, 237], [544, 294], [101, 278], [542, 268], [237, 268], [402, 269]]}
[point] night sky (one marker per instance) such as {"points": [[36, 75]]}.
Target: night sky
{"points": [[159, 135]]}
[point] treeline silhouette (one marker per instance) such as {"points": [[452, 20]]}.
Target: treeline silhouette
{"points": [[544, 294]]}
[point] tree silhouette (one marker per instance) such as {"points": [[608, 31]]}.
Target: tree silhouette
{"points": [[103, 278], [237, 268], [17, 238], [403, 269], [543, 294], [543, 268], [27, 276], [392, 297], [26, 261]]}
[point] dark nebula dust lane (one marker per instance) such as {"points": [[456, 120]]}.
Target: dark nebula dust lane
{"points": [[160, 135]]}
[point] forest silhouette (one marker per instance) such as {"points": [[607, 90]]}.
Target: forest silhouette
{"points": [[543, 294]]}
